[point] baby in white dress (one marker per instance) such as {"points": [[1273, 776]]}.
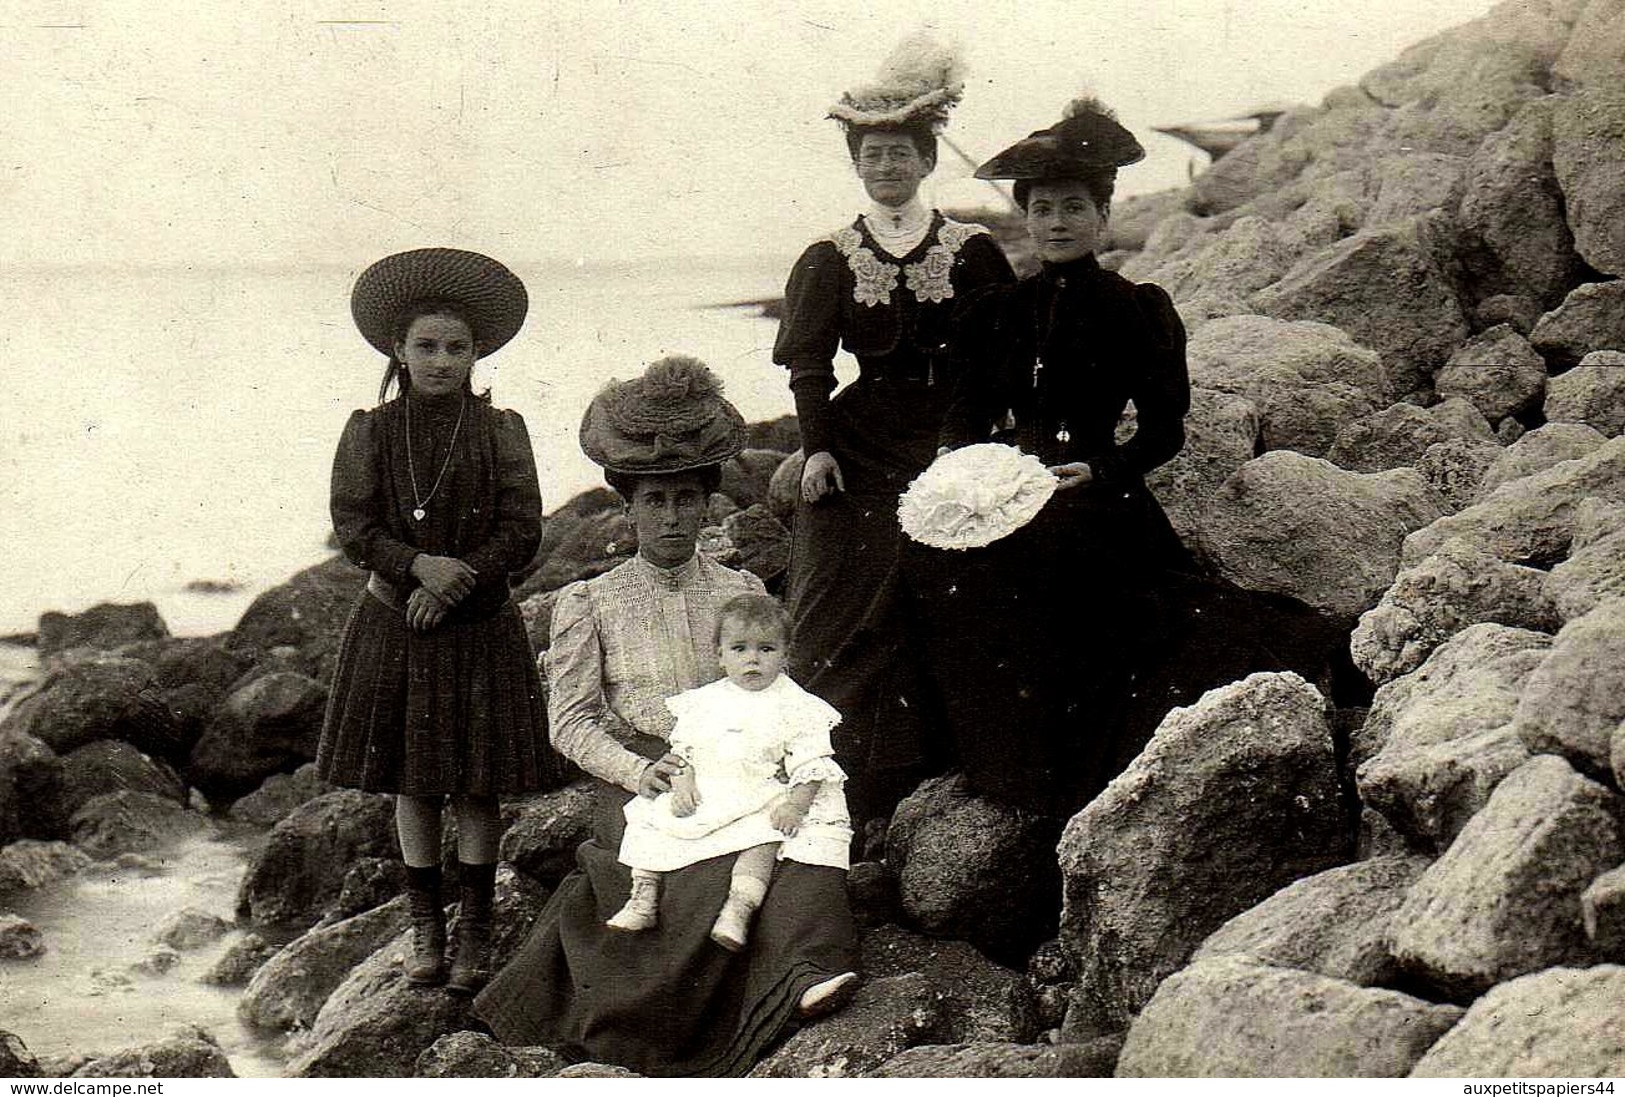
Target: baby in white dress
{"points": [[759, 778]]}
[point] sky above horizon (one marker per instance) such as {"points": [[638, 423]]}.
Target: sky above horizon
{"points": [[314, 133]]}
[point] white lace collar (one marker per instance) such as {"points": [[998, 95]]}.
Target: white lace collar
{"points": [[898, 229]]}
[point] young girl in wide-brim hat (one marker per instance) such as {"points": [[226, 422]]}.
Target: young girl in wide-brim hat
{"points": [[435, 493]]}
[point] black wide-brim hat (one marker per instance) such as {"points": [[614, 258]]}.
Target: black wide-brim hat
{"points": [[1082, 144], [672, 418], [491, 296]]}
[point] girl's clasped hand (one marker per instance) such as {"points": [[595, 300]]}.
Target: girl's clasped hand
{"points": [[446, 581]]}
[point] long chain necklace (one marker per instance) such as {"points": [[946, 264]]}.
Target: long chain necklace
{"points": [[1040, 333], [411, 471]]}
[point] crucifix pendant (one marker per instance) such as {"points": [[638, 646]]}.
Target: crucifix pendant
{"points": [[417, 514], [1037, 365]]}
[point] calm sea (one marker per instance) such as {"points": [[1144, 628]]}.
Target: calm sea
{"points": [[167, 426]]}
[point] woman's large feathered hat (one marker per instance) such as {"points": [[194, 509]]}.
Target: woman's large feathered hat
{"points": [[1088, 139], [492, 296], [672, 418], [917, 85]]}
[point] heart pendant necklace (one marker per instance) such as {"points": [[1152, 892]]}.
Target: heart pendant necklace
{"points": [[420, 504]]}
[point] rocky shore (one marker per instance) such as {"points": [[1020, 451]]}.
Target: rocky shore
{"points": [[1407, 332]]}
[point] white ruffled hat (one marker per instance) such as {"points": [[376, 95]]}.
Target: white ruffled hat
{"points": [[974, 496]]}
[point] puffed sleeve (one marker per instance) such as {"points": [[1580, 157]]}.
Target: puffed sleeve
{"points": [[358, 503], [578, 715], [809, 756], [976, 352], [981, 262], [809, 335], [1162, 392], [518, 528]]}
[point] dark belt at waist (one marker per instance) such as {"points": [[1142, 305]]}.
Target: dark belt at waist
{"points": [[483, 602]]}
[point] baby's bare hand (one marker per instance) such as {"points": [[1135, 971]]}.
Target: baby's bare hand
{"points": [[786, 816]]}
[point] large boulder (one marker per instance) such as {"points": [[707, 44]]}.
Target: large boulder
{"points": [[1399, 435], [20, 939], [302, 866], [996, 1060], [974, 869], [981, 1000], [103, 627], [1436, 598], [1231, 1017], [107, 697], [1233, 799], [1387, 288], [1496, 371], [131, 822], [1588, 155], [1561, 1023], [1221, 435], [1504, 900], [1513, 209], [745, 476], [189, 1052], [1602, 908], [1531, 520], [1300, 526], [108, 766], [30, 864], [288, 991], [1591, 317], [889, 1015], [476, 1055], [271, 725], [760, 542], [1438, 741], [306, 613], [30, 789], [190, 928], [1306, 379], [1595, 570], [1538, 450], [276, 798], [1576, 697], [1592, 393], [1334, 923], [1408, 184], [543, 831], [1246, 256]]}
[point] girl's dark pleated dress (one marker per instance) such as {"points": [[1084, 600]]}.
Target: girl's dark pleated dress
{"points": [[457, 709]]}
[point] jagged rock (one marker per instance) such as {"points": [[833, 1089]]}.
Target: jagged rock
{"points": [[1301, 526], [1504, 900], [1409, 184], [1513, 207], [302, 866], [369, 882], [476, 1055], [1221, 435], [16, 1061], [106, 697], [1455, 469], [1591, 55], [1537, 451], [306, 613], [1233, 799], [103, 627], [280, 793], [1321, 140], [871, 888], [745, 476], [1438, 741], [1496, 371], [974, 869], [1399, 435], [889, 1015], [592, 545], [1562, 1023], [1231, 1017], [1518, 312], [20, 939], [1334, 923], [288, 991], [761, 542], [989, 1060], [979, 1001], [160, 961], [30, 789], [1592, 393], [31, 864], [1590, 576], [1509, 430], [108, 766], [1167, 238], [1602, 910], [1246, 256], [127, 822], [1591, 317], [189, 1053], [1530, 520], [543, 831], [1576, 697], [240, 961], [375, 1024], [1436, 598], [190, 929], [271, 725], [1307, 379], [1387, 289], [1588, 155]]}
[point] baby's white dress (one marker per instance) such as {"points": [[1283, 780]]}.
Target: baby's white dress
{"points": [[746, 747]]}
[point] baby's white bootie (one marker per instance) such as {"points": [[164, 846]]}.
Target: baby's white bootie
{"points": [[642, 907]]}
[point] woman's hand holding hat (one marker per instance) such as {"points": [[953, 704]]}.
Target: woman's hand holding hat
{"points": [[445, 577], [821, 476], [1072, 474]]}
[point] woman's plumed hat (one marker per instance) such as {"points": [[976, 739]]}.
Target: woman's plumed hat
{"points": [[673, 418], [1087, 140], [918, 84], [492, 296]]}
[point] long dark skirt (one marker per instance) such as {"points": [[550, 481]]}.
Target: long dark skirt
{"points": [[457, 709], [668, 1001]]}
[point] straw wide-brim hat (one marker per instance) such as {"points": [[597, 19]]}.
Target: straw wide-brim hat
{"points": [[492, 296], [974, 496], [1086, 141], [671, 418]]}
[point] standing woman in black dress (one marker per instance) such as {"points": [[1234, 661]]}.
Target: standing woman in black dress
{"points": [[885, 288], [435, 493]]}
